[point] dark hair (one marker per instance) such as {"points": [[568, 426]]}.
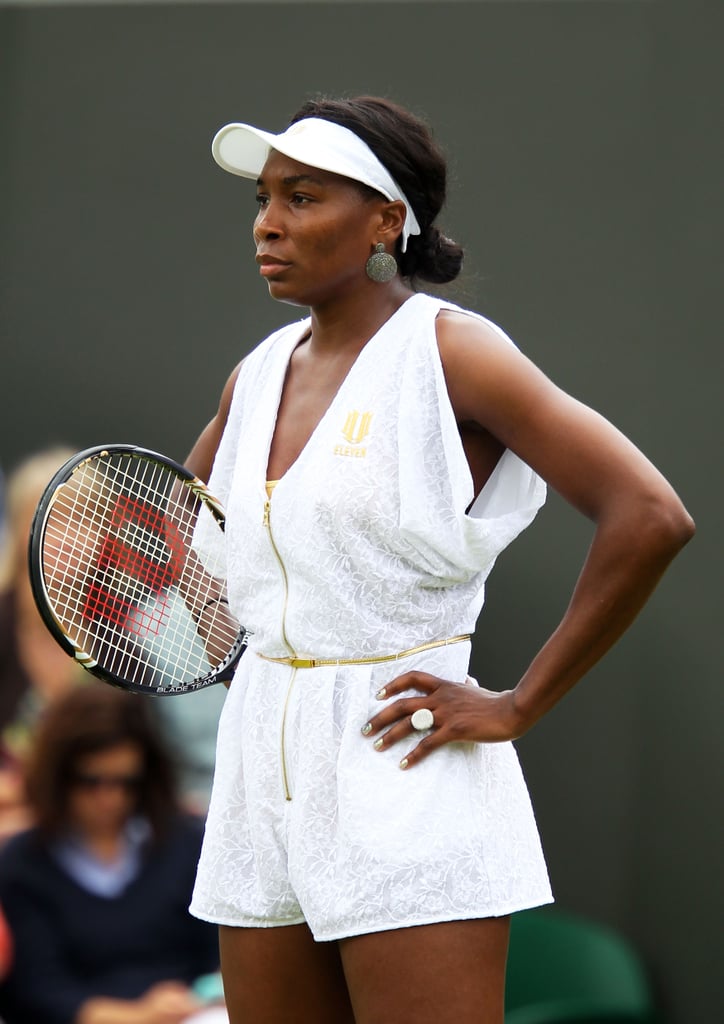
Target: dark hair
{"points": [[90, 719], [404, 144]]}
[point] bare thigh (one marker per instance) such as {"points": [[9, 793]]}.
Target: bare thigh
{"points": [[450, 973], [282, 976]]}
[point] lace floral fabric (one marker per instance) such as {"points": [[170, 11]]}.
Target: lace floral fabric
{"points": [[364, 549]]}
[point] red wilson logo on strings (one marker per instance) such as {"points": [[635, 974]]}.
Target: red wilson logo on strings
{"points": [[140, 557]]}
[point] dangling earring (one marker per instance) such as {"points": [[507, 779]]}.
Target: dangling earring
{"points": [[381, 267]]}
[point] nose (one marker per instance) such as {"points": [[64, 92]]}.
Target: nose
{"points": [[112, 797], [268, 223]]}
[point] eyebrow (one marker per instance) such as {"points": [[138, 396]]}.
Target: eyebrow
{"points": [[295, 179]]}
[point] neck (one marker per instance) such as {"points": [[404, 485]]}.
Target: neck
{"points": [[105, 846], [348, 325]]}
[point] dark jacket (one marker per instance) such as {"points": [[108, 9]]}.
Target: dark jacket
{"points": [[71, 945]]}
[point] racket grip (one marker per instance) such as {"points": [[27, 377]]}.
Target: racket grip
{"points": [[226, 674]]}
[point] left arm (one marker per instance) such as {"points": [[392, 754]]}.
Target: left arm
{"points": [[640, 525]]}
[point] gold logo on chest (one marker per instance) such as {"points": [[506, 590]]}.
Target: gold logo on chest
{"points": [[355, 430]]}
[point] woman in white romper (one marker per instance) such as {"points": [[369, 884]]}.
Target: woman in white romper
{"points": [[370, 832]]}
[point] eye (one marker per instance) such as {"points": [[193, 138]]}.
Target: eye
{"points": [[261, 199], [298, 199]]}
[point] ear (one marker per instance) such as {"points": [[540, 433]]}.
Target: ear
{"points": [[391, 223]]}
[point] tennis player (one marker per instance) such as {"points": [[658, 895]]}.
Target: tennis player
{"points": [[370, 831]]}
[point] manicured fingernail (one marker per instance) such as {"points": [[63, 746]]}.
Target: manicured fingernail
{"points": [[367, 729], [378, 743], [381, 694], [404, 763]]}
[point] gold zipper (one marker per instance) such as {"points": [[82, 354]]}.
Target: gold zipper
{"points": [[275, 549], [285, 773]]}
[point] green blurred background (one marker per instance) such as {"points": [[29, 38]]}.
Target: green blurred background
{"points": [[585, 146]]}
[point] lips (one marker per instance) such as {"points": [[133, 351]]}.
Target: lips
{"points": [[270, 266]]}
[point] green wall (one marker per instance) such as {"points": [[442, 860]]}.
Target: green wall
{"points": [[586, 149]]}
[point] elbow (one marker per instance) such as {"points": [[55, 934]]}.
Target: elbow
{"points": [[669, 526], [687, 528]]}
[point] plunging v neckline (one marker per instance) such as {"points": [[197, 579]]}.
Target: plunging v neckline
{"points": [[296, 341]]}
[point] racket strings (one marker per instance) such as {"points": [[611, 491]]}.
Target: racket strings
{"points": [[124, 578], [69, 529]]}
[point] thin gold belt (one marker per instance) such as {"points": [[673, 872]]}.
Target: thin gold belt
{"points": [[318, 662]]}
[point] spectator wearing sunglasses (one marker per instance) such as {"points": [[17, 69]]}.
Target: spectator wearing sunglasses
{"points": [[96, 893]]}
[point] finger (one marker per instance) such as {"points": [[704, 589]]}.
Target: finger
{"points": [[423, 749], [399, 711], [400, 731], [414, 680]]}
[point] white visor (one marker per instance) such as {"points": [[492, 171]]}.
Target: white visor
{"points": [[243, 150]]}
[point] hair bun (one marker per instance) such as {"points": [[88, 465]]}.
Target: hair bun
{"points": [[432, 257]]}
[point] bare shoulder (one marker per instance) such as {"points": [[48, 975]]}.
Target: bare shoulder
{"points": [[475, 343], [201, 457], [460, 324], [456, 327], [575, 449], [484, 370], [228, 393]]}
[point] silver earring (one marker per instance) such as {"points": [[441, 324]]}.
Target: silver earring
{"points": [[381, 267]]}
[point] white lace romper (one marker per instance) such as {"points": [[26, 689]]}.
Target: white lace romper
{"points": [[364, 550]]}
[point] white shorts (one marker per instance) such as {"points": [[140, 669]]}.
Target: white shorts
{"points": [[309, 823]]}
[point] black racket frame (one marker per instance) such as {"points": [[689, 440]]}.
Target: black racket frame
{"points": [[222, 673]]}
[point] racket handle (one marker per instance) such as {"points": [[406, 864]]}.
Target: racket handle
{"points": [[227, 673]]}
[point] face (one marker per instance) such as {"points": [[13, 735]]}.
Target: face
{"points": [[104, 789], [314, 232]]}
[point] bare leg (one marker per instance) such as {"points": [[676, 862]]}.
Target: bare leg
{"points": [[450, 973], [282, 976]]}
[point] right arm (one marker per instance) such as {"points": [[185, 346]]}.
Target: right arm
{"points": [[201, 457], [200, 461]]}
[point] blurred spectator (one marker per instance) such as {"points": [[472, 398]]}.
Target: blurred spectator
{"points": [[2, 508], [96, 894], [189, 723], [33, 668], [6, 947]]}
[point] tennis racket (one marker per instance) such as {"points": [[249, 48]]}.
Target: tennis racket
{"points": [[127, 569]]}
